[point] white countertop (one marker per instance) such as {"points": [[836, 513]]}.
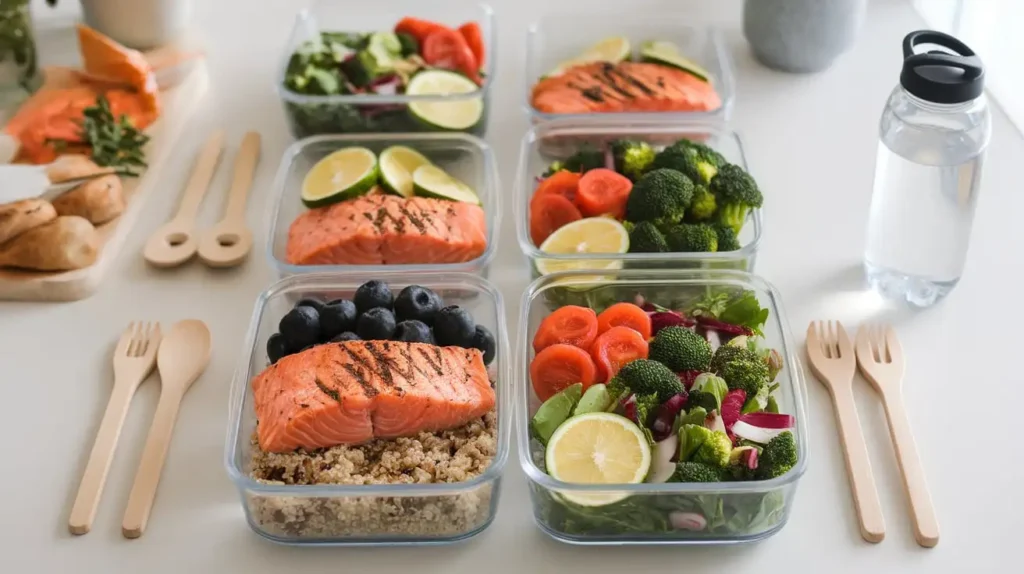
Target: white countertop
{"points": [[810, 141]]}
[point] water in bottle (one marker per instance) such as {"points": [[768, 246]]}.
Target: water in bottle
{"points": [[932, 140]]}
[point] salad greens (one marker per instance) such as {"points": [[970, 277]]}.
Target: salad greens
{"points": [[17, 44]]}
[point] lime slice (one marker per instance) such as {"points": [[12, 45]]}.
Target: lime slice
{"points": [[599, 234], [396, 166], [598, 448], [344, 174], [667, 53], [431, 181], [614, 49], [447, 115]]}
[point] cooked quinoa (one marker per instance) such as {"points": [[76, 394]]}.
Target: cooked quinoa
{"points": [[451, 456]]}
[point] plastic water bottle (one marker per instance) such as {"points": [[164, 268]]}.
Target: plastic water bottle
{"points": [[932, 140]]}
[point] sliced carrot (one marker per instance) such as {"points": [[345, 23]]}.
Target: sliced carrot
{"points": [[561, 182], [475, 38], [418, 28], [548, 213], [625, 315], [603, 191], [559, 366], [571, 325], [616, 347]]}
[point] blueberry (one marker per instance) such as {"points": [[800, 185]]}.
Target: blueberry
{"points": [[414, 331], [311, 302], [300, 327], [417, 303], [346, 336], [373, 294], [454, 326], [484, 340], [337, 317], [377, 324], [277, 348]]}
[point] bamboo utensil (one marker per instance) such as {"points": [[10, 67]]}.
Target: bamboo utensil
{"points": [[134, 358], [174, 243], [182, 357], [228, 242], [880, 358], [832, 359]]}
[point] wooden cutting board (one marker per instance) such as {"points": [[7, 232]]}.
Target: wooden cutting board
{"points": [[177, 105]]}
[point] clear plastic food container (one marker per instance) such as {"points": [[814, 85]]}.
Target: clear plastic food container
{"points": [[733, 512], [464, 156], [390, 514], [557, 140], [373, 113], [558, 37]]}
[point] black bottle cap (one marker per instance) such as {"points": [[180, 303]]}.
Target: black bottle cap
{"points": [[938, 76]]}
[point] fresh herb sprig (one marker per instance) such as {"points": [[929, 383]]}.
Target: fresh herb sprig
{"points": [[115, 142]]}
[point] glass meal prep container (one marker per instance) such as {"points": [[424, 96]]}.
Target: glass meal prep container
{"points": [[559, 139], [733, 511], [463, 156], [551, 42], [373, 113], [389, 514]]}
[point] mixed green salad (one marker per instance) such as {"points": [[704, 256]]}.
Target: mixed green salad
{"points": [[668, 395], [417, 58]]}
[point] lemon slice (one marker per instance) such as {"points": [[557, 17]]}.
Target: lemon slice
{"points": [[599, 234], [441, 113], [598, 448], [397, 163], [344, 174], [614, 49], [432, 181]]}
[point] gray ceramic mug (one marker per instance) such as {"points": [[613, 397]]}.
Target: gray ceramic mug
{"points": [[801, 35]]}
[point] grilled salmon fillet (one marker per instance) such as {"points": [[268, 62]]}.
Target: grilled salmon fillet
{"points": [[380, 229], [351, 392], [623, 87]]}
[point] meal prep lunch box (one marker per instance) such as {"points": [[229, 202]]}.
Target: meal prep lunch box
{"points": [[389, 514], [463, 156], [733, 512], [558, 140]]}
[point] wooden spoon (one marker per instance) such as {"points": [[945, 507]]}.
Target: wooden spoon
{"points": [[183, 356], [228, 242], [174, 242]]}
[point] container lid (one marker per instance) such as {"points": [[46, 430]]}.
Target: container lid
{"points": [[939, 76]]}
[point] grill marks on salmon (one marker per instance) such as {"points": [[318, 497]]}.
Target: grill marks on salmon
{"points": [[623, 87], [351, 392], [379, 229]]}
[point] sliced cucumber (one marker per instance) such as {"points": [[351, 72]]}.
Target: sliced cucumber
{"points": [[458, 115], [386, 49], [344, 174], [667, 53], [397, 164], [431, 181]]}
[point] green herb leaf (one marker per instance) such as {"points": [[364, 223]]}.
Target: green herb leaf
{"points": [[115, 142]]}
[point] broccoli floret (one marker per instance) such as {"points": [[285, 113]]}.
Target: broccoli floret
{"points": [[706, 401], [727, 240], [585, 159], [660, 196], [680, 349], [741, 368], [688, 159], [736, 193], [703, 205], [705, 152], [409, 44], [556, 166], [644, 237], [714, 451], [695, 472], [644, 376], [632, 158], [728, 353], [692, 238], [778, 456]]}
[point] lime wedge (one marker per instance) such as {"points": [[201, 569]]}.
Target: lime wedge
{"points": [[667, 53], [598, 448], [397, 163], [599, 234], [614, 49], [447, 115], [344, 174], [431, 181]]}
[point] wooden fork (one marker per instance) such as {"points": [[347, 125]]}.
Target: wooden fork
{"points": [[832, 360], [134, 359], [880, 358]]}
